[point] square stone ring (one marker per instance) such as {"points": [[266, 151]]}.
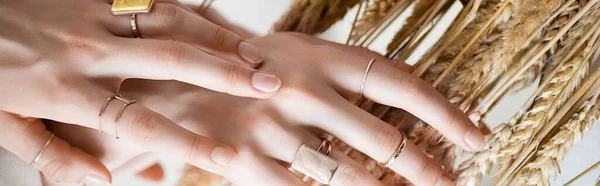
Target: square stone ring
{"points": [[316, 163], [132, 8]]}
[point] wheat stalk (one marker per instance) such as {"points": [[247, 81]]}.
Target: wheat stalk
{"points": [[373, 14], [420, 11], [466, 16]]}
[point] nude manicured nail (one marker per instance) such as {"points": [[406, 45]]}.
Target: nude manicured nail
{"points": [[93, 180], [249, 53], [265, 82], [223, 155], [445, 181], [475, 139]]}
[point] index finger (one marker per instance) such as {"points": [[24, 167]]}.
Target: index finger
{"points": [[389, 86], [173, 60]]}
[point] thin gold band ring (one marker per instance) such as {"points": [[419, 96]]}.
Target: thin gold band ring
{"points": [[364, 79], [39, 155], [397, 153]]}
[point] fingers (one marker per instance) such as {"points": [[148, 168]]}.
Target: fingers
{"points": [[166, 60], [59, 161], [396, 88], [169, 21], [252, 168], [349, 172], [159, 134], [418, 168]]}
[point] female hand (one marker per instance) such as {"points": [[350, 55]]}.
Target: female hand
{"points": [[320, 79], [61, 60]]}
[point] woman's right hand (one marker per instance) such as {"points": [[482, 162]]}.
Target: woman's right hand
{"points": [[62, 59]]}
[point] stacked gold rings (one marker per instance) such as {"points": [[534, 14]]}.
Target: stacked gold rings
{"points": [[126, 102]]}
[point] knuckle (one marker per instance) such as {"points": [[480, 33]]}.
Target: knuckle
{"points": [[429, 173], [192, 154], [233, 74], [387, 138], [167, 16], [223, 36], [349, 175], [170, 52], [407, 82], [143, 126]]}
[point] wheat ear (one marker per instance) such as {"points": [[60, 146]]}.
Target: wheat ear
{"points": [[553, 152], [486, 11], [576, 35], [561, 88], [313, 16], [525, 22]]}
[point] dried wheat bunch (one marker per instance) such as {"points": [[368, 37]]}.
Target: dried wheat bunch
{"points": [[546, 163], [313, 16]]}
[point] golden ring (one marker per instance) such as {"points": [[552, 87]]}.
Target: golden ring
{"points": [[39, 155], [397, 153]]}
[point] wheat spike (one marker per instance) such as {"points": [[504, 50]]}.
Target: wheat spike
{"points": [[549, 32], [421, 7], [546, 163], [313, 16], [485, 12], [561, 87], [372, 15]]}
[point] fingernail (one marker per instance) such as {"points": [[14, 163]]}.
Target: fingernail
{"points": [[93, 180], [265, 82], [249, 53], [223, 155], [445, 181], [475, 139]]}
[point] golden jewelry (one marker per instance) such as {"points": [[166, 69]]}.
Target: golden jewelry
{"points": [[126, 102], [125, 7], [364, 80], [134, 29], [397, 153], [39, 155], [314, 164], [325, 147]]}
